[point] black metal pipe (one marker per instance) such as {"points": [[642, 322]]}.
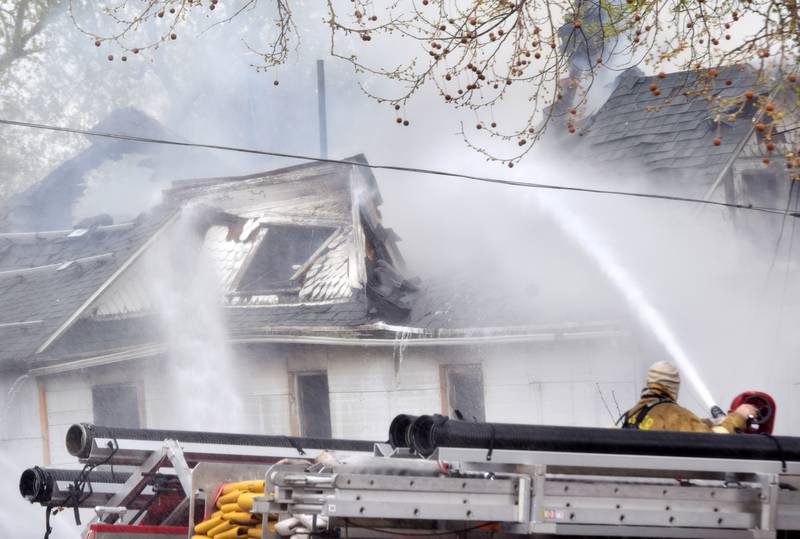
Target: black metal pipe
{"points": [[81, 435], [37, 484], [428, 433]]}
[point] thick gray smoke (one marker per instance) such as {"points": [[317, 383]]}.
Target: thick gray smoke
{"points": [[709, 273]]}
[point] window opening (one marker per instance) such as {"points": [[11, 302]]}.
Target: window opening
{"points": [[116, 405], [314, 404], [283, 250], [464, 392]]}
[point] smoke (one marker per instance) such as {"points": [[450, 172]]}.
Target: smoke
{"points": [[701, 279]]}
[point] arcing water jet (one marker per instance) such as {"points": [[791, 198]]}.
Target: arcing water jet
{"points": [[631, 291]]}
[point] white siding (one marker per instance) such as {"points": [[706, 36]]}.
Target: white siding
{"points": [[366, 391], [546, 383], [559, 383], [69, 401]]}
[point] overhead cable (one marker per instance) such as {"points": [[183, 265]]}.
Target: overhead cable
{"points": [[399, 168]]}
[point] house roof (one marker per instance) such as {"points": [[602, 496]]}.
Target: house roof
{"points": [[671, 133], [46, 278], [188, 188]]}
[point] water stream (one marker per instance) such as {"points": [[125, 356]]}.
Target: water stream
{"points": [[12, 392], [201, 379], [631, 291]]}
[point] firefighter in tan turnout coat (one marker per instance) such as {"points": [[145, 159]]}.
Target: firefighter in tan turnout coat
{"points": [[658, 410]]}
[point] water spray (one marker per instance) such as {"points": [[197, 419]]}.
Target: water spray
{"points": [[634, 295]]}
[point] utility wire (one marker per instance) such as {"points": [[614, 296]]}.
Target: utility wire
{"points": [[398, 168]]}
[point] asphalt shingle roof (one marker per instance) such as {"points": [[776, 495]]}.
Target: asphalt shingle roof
{"points": [[45, 278], [672, 133]]}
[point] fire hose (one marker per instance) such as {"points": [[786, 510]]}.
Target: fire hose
{"points": [[37, 484], [429, 432], [80, 438]]}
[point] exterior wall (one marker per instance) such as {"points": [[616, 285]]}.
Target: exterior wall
{"points": [[562, 383], [20, 433], [366, 390], [545, 383], [20, 447], [548, 383], [69, 401]]}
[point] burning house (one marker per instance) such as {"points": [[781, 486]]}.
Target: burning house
{"points": [[286, 289], [309, 319]]}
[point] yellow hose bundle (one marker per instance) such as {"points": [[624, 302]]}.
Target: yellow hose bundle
{"points": [[252, 486], [245, 500], [233, 533], [216, 530], [230, 497], [206, 525], [234, 519], [242, 518], [230, 508]]}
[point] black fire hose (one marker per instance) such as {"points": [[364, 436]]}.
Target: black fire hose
{"points": [[399, 430], [81, 435], [427, 433], [37, 484]]}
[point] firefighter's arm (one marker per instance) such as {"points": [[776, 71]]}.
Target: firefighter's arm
{"points": [[736, 420], [730, 423]]}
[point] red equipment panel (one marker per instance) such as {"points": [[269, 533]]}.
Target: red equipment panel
{"points": [[124, 531]]}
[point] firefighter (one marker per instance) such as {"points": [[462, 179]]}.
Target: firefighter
{"points": [[658, 409]]}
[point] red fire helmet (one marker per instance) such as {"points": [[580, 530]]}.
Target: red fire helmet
{"points": [[764, 421]]}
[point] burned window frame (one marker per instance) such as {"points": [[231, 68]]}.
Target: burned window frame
{"points": [[301, 427], [291, 285]]}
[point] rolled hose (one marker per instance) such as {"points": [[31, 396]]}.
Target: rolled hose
{"points": [[398, 430], [36, 484], [80, 437], [428, 433]]}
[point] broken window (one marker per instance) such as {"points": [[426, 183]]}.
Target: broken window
{"points": [[283, 250], [116, 405], [314, 407], [464, 392]]}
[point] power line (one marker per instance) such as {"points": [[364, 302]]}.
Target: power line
{"points": [[398, 168]]}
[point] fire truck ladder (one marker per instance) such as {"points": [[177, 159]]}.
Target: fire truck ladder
{"points": [[511, 492]]}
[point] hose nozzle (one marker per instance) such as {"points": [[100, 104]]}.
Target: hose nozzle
{"points": [[716, 412]]}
